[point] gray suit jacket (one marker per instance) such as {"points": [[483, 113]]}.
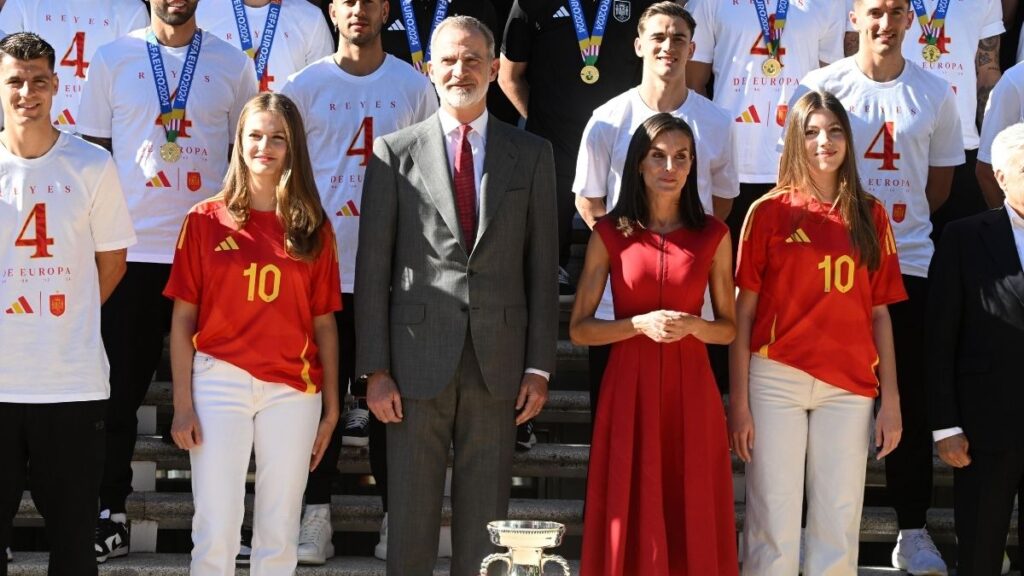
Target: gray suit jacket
{"points": [[417, 291]]}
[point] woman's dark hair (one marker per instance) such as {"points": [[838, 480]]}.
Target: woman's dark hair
{"points": [[632, 210]]}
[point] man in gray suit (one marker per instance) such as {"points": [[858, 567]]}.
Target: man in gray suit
{"points": [[456, 303]]}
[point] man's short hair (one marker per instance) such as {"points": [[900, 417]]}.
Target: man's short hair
{"points": [[859, 2], [1008, 145], [666, 8], [27, 46], [469, 24]]}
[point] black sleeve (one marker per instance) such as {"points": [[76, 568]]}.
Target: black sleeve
{"points": [[518, 34], [943, 325]]}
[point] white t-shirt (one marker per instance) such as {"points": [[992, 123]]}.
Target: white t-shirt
{"points": [[606, 141], [967, 23], [75, 29], [302, 36], [344, 113], [900, 129], [120, 102], [728, 36], [1005, 108], [56, 212]]}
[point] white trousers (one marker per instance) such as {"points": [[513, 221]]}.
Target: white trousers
{"points": [[238, 412], [802, 423]]}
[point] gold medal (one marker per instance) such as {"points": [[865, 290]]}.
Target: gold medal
{"points": [[589, 74], [170, 152], [931, 53], [771, 67]]}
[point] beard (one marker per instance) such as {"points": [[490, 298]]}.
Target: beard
{"points": [[362, 39], [461, 98], [161, 12]]}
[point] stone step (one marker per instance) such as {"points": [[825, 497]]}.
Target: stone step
{"points": [[34, 564], [544, 460], [563, 406], [364, 513]]}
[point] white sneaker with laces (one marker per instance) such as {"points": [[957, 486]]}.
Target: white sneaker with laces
{"points": [[381, 550], [916, 553], [315, 535]]}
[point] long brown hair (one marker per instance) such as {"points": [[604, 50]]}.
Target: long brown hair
{"points": [[633, 210], [298, 204], [852, 202]]}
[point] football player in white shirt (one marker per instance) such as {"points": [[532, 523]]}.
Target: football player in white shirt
{"points": [[298, 34], [908, 141], [729, 41], [75, 28], [64, 230], [963, 48], [348, 99], [165, 100], [665, 32], [1005, 108]]}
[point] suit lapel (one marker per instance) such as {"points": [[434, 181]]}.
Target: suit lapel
{"points": [[499, 164], [431, 155], [998, 236]]}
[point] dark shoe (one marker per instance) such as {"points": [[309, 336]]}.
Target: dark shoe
{"points": [[525, 438], [566, 291], [112, 538]]}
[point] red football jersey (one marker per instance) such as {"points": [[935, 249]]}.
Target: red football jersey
{"points": [[256, 304], [814, 295]]}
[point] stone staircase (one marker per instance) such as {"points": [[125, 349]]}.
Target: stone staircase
{"points": [[549, 485]]}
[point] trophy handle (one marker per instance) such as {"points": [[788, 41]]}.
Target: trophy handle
{"points": [[491, 559], [557, 560]]}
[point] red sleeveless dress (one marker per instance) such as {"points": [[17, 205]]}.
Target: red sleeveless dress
{"points": [[659, 491]]}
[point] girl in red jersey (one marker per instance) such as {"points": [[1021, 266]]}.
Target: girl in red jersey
{"points": [[659, 490], [816, 270], [254, 351]]}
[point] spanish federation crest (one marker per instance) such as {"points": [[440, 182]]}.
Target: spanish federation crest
{"points": [[57, 304], [622, 10]]}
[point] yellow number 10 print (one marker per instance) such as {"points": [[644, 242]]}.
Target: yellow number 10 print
{"points": [[269, 284], [839, 274]]}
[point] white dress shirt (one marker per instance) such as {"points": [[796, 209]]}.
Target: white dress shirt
{"points": [[1017, 226], [478, 143]]}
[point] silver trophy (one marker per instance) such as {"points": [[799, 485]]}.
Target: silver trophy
{"points": [[526, 541]]}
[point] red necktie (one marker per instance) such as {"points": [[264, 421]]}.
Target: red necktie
{"points": [[465, 187]]}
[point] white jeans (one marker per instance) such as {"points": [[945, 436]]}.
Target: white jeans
{"points": [[236, 413], [802, 422]]}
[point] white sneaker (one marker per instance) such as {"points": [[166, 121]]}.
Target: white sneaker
{"points": [[381, 550], [916, 553], [10, 558], [1002, 571], [315, 535]]}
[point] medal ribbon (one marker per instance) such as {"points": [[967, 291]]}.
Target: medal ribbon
{"points": [[262, 56], [772, 34], [590, 43], [412, 33], [938, 20], [171, 114]]}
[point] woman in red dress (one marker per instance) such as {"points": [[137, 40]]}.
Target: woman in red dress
{"points": [[659, 492]]}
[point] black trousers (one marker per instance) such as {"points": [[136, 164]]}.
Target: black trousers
{"points": [[318, 487], [908, 469], [135, 320], [59, 449], [965, 198], [566, 205], [597, 362], [982, 504]]}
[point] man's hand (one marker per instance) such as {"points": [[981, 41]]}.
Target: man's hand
{"points": [[953, 451], [533, 393], [383, 398]]}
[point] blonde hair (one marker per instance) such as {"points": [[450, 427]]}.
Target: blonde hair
{"points": [[852, 202], [298, 204]]}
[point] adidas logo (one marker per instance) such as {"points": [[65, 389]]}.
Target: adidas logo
{"points": [[349, 209], [226, 245], [64, 119], [159, 181], [560, 13], [20, 306], [800, 237], [397, 26], [749, 116]]}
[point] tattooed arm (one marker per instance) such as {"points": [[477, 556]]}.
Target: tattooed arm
{"points": [[987, 63]]}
